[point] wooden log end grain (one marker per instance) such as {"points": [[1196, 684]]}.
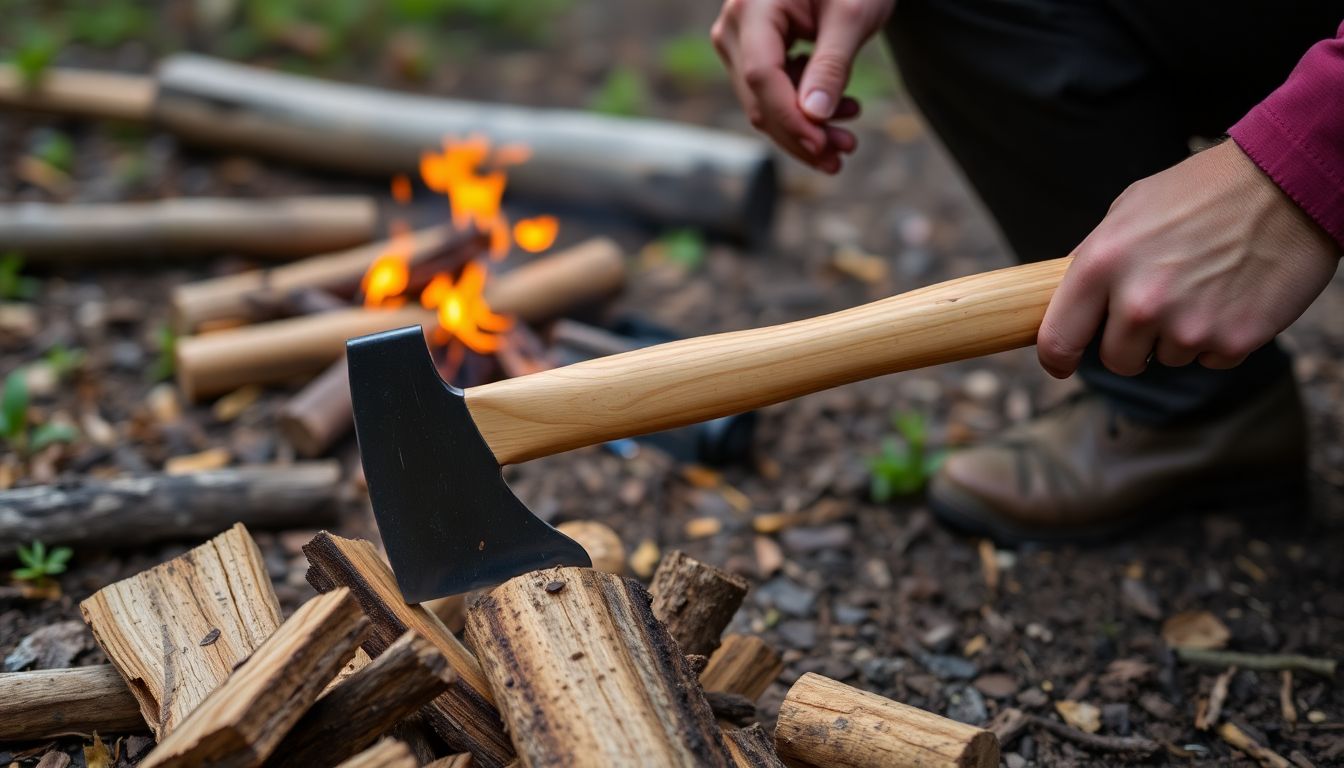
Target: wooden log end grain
{"points": [[827, 723], [695, 600]]}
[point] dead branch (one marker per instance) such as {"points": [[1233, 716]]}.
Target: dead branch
{"points": [[46, 703]]}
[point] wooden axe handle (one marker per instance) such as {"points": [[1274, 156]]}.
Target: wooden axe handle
{"points": [[683, 382]]}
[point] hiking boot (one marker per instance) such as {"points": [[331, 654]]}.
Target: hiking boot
{"points": [[1083, 471]]}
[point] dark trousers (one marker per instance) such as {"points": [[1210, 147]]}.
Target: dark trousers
{"points": [[1053, 107]]}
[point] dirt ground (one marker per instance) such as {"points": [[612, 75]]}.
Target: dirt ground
{"points": [[876, 595]]}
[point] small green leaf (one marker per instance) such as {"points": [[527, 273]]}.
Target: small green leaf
{"points": [[623, 93], [56, 150], [50, 434], [166, 363], [27, 574], [691, 61], [39, 553], [60, 556], [684, 247], [14, 407], [26, 556]]}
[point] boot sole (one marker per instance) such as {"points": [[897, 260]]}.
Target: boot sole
{"points": [[1281, 494]]}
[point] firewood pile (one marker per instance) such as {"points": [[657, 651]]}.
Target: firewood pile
{"points": [[562, 666]]}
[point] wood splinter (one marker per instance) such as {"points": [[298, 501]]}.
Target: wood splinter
{"points": [[616, 692], [827, 723]]}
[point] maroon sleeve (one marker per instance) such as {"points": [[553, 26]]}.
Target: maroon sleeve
{"points": [[1296, 135]]}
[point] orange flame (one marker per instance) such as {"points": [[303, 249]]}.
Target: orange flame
{"points": [[401, 188], [462, 310], [537, 234], [388, 275]]}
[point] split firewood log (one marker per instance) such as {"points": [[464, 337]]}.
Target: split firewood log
{"points": [[695, 600], [354, 713], [46, 703], [751, 747], [585, 674], [171, 635], [743, 664], [388, 753], [464, 716], [240, 723], [827, 723]]}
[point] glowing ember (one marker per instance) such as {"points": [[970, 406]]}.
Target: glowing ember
{"points": [[387, 277], [401, 188], [537, 234], [463, 312]]}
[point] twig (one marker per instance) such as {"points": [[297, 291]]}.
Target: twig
{"points": [[1258, 661], [1132, 744], [1209, 714], [1286, 699], [1262, 754]]}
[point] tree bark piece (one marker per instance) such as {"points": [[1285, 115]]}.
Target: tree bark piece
{"points": [[90, 512], [245, 297], [695, 600], [243, 720], [585, 674], [279, 351], [367, 704], [743, 664], [280, 227], [465, 716], [388, 753], [751, 748], [1264, 662], [47, 703], [826, 723], [152, 626]]}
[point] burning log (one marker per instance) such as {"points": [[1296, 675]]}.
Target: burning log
{"points": [[826, 723], [695, 601], [356, 712], [388, 753], [47, 703], [670, 173], [243, 720], [465, 716], [751, 747], [281, 227], [169, 635], [136, 510], [275, 352], [246, 297], [617, 692], [743, 664]]}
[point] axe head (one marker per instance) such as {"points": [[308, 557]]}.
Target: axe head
{"points": [[449, 522]]}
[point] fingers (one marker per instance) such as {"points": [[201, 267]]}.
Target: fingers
{"points": [[1174, 354], [1072, 320], [1219, 361], [770, 98], [1126, 347], [841, 30]]}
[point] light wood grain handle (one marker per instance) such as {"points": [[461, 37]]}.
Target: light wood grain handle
{"points": [[684, 382]]}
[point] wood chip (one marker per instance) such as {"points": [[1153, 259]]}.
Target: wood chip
{"points": [[1261, 754], [645, 558], [1081, 715], [213, 458], [234, 404], [989, 564], [1195, 629], [1212, 708], [702, 527], [1286, 705]]}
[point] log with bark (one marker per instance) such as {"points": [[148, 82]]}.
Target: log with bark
{"points": [[667, 172], [243, 720], [585, 674], [286, 349], [752, 747], [742, 664], [279, 227], [695, 601], [827, 723], [367, 704], [464, 716], [47, 703], [132, 511], [249, 296], [176, 631]]}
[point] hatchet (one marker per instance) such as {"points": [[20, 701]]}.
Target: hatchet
{"points": [[432, 453]]}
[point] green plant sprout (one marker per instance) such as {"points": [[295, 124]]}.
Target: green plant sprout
{"points": [[57, 151], [623, 93], [35, 51], [904, 464], [13, 285], [64, 360], [683, 247], [166, 363], [39, 564], [14, 426]]}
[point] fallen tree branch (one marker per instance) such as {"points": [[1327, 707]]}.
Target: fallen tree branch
{"points": [[47, 703], [1261, 662], [280, 227], [1138, 745], [138, 510]]}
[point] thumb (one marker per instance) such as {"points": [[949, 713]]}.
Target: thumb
{"points": [[840, 32]]}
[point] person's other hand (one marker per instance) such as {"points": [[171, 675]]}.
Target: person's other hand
{"points": [[797, 100], [1206, 261]]}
